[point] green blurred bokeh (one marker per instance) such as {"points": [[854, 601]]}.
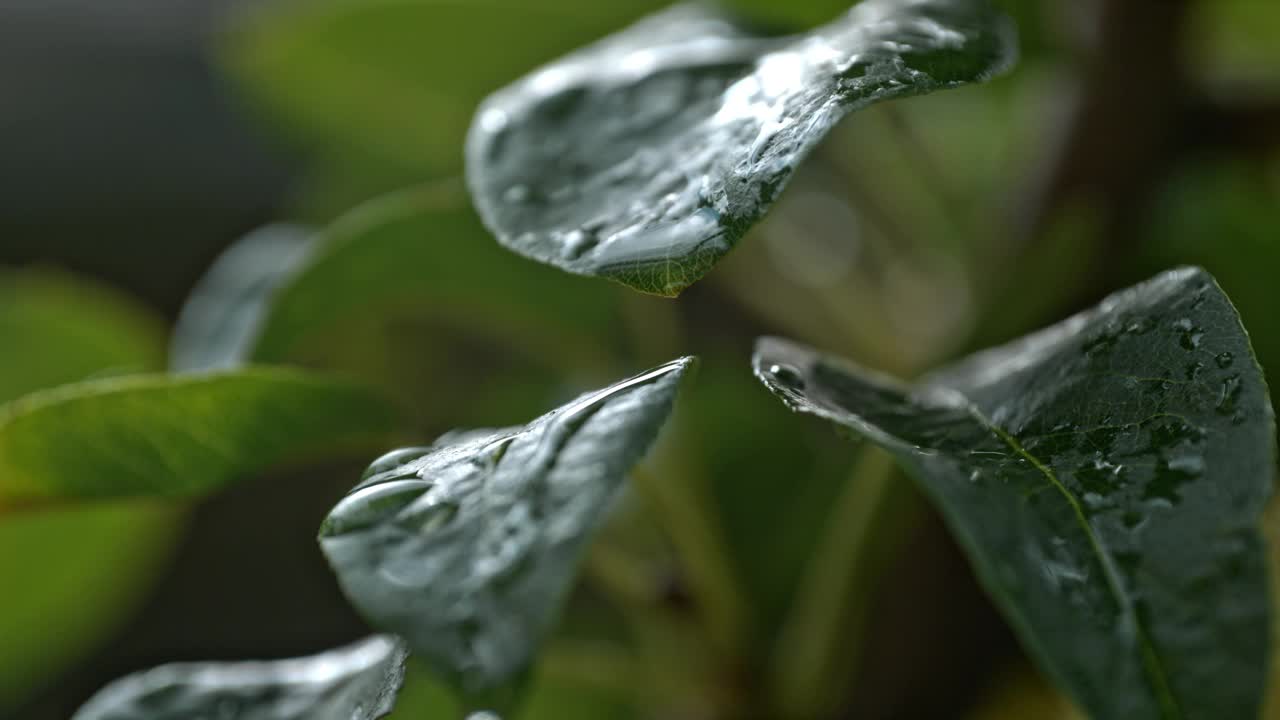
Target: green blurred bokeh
{"points": [[903, 243]]}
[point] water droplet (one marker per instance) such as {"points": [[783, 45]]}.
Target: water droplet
{"points": [[1230, 395], [1194, 370], [576, 243], [1191, 337], [431, 517], [787, 375], [1224, 360], [1187, 464], [371, 505], [517, 194], [975, 476], [394, 459]]}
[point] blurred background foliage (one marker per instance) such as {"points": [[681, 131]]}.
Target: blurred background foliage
{"points": [[760, 566]]}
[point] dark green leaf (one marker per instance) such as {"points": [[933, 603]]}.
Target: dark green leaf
{"points": [[1107, 477], [164, 435], [646, 157], [467, 548], [356, 682], [221, 319]]}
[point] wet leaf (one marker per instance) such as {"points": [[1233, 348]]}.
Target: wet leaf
{"points": [[466, 548], [1107, 477], [356, 682], [174, 436], [645, 157]]}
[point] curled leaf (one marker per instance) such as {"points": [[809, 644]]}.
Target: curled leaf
{"points": [[645, 158]]}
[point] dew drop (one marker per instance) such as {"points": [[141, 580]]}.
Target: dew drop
{"points": [[1194, 370], [1230, 395], [1224, 360], [517, 194], [576, 243], [786, 375], [394, 459], [1187, 464]]}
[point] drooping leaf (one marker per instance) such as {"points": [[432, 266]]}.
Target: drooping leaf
{"points": [[645, 157], [57, 329], [175, 436], [223, 315], [467, 548], [1107, 478], [356, 682]]}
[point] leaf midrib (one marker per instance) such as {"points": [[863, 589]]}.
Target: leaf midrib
{"points": [[1150, 658]]}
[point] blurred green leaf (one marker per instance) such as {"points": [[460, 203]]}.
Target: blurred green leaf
{"points": [[221, 318], [1107, 477], [467, 548], [645, 158], [401, 291], [381, 79], [356, 682], [422, 252], [177, 436], [61, 329], [52, 561], [58, 329]]}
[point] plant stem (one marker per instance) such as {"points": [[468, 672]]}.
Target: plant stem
{"points": [[821, 634]]}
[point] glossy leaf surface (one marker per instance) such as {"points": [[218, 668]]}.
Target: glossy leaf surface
{"points": [[1107, 477], [467, 548], [645, 157], [174, 436], [356, 682]]}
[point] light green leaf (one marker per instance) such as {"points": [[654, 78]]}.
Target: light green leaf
{"points": [[57, 557], [645, 158], [176, 436], [467, 548], [57, 329], [1107, 477], [356, 682]]}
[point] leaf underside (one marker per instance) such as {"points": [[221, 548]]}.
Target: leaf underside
{"points": [[645, 158], [356, 682], [466, 548], [1107, 478]]}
